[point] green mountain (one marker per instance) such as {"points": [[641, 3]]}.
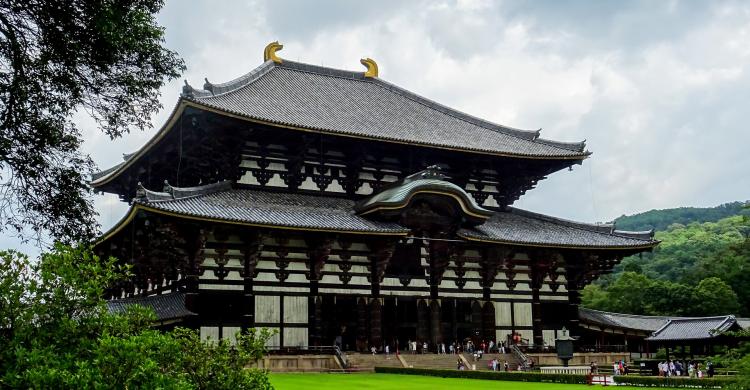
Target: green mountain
{"points": [[701, 267], [661, 219]]}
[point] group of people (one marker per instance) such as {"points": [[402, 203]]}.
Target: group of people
{"points": [[692, 369], [415, 347], [620, 368]]}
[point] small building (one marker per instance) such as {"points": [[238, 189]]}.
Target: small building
{"points": [[643, 335]]}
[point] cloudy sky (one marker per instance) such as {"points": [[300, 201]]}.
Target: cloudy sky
{"points": [[659, 89]]}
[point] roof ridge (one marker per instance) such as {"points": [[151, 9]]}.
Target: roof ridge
{"points": [[171, 193], [627, 314], [475, 120], [603, 228], [231, 85], [256, 73]]}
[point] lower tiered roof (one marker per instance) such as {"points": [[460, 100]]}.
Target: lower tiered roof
{"points": [[254, 207]]}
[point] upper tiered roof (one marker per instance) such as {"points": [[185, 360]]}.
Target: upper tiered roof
{"points": [[346, 103]]}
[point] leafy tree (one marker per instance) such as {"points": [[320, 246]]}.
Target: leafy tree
{"points": [[57, 333], [715, 297], [57, 58]]}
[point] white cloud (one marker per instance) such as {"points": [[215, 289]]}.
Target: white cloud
{"points": [[660, 90]]}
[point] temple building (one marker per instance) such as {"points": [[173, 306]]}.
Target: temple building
{"points": [[332, 205]]}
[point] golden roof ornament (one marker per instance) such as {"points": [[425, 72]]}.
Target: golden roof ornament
{"points": [[269, 53], [372, 67]]}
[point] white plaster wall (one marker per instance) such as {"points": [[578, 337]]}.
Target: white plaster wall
{"points": [[295, 310], [230, 333], [267, 308], [549, 337], [295, 337], [502, 314], [522, 313], [209, 333]]}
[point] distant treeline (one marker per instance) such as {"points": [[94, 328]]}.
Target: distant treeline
{"points": [[700, 268], [661, 219]]}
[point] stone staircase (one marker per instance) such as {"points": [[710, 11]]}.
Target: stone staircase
{"points": [[449, 362], [444, 362], [368, 361]]}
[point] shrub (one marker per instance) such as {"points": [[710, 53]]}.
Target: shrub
{"points": [[674, 382], [488, 375]]}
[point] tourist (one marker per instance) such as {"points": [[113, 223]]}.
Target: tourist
{"points": [[594, 368], [710, 369], [699, 371], [451, 348], [502, 347], [442, 348], [387, 350], [492, 346], [494, 364], [506, 366], [615, 368], [678, 368], [691, 369], [424, 348], [460, 364], [373, 350], [672, 369]]}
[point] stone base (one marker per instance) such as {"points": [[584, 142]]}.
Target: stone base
{"points": [[580, 359]]}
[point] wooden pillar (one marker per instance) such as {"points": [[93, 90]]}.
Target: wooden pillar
{"points": [[252, 246], [538, 264], [318, 250], [195, 244], [381, 252], [435, 326], [488, 321], [376, 323], [423, 332], [361, 324]]}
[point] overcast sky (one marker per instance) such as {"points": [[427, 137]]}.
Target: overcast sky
{"points": [[659, 89]]}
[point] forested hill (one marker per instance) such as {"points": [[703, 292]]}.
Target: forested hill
{"points": [[661, 219], [699, 269]]}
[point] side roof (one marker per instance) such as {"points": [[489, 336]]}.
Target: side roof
{"points": [[168, 306], [346, 103], [693, 328]]}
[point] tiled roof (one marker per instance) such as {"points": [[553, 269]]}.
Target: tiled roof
{"points": [[622, 321], [693, 328], [345, 102], [220, 202], [270, 209], [166, 306], [524, 227]]}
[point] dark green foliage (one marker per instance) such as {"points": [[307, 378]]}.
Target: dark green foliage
{"points": [[61, 57], [674, 382], [661, 219], [488, 375], [737, 359], [697, 270], [57, 334]]}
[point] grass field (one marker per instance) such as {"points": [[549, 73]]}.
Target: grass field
{"points": [[411, 382]]}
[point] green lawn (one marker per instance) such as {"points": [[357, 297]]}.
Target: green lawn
{"points": [[411, 382]]}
